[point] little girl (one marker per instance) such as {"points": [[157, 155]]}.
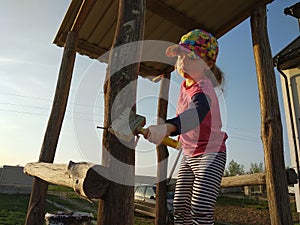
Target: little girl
{"points": [[198, 124]]}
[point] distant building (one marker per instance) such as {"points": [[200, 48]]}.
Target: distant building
{"points": [[13, 180], [255, 190]]}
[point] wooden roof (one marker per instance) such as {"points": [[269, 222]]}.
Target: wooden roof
{"points": [[165, 20]]}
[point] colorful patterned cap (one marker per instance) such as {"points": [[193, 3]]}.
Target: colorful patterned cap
{"points": [[196, 44]]}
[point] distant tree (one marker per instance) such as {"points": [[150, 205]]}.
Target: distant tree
{"points": [[256, 168], [234, 169]]}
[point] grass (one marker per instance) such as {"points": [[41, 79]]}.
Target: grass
{"points": [[13, 207], [245, 202]]}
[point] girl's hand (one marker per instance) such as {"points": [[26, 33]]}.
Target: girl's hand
{"points": [[156, 133]]}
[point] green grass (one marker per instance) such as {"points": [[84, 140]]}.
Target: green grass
{"points": [[13, 207]]}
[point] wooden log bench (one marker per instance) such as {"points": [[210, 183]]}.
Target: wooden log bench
{"points": [[89, 180]]}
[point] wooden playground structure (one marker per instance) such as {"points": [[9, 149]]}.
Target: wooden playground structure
{"points": [[93, 28]]}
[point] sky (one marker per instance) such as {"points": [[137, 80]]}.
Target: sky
{"points": [[29, 67]]}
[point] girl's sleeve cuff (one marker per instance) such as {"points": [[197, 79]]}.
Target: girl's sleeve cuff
{"points": [[176, 122]]}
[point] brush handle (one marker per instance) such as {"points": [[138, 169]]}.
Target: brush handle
{"points": [[171, 142], [167, 141]]}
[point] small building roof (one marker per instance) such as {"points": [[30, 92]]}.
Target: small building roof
{"points": [[165, 20], [289, 57]]}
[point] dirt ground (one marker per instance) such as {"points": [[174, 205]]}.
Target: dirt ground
{"points": [[237, 215]]}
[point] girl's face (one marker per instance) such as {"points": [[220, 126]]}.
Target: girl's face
{"points": [[190, 68]]}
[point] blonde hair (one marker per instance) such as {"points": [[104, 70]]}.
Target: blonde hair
{"points": [[215, 74], [218, 78]]}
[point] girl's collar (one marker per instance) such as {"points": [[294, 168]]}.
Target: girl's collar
{"points": [[189, 85], [189, 82]]}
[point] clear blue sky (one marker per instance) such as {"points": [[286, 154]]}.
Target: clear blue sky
{"points": [[29, 65]]}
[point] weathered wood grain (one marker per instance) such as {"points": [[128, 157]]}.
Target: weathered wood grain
{"points": [[120, 93], [35, 212], [162, 154], [271, 127], [89, 180]]}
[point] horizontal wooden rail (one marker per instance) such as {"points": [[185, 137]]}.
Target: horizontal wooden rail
{"points": [[91, 181], [235, 181], [244, 180], [249, 180], [87, 179]]}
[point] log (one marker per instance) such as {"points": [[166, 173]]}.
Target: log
{"points": [[249, 180], [36, 206], [120, 93], [271, 127], [244, 180], [89, 180], [235, 181], [256, 179], [162, 154]]}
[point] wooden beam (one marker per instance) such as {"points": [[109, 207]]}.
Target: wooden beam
{"points": [[238, 19], [249, 180], [83, 13], [167, 12], [164, 10], [244, 180], [95, 52], [91, 180], [120, 93], [35, 213], [162, 154], [236, 181], [101, 54], [271, 127], [87, 179]]}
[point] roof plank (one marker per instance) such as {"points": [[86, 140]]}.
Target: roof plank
{"points": [[165, 21]]}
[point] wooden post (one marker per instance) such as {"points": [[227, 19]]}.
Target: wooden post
{"points": [[271, 127], [36, 207], [162, 155], [120, 92]]}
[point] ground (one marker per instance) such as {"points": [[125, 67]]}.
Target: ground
{"points": [[247, 215], [238, 215], [229, 211]]}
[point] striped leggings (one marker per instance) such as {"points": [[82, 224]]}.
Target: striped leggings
{"points": [[197, 188]]}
